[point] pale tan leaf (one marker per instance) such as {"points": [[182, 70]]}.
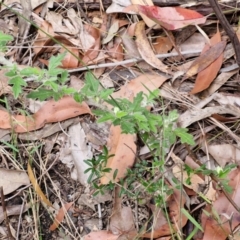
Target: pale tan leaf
{"points": [[145, 49], [11, 180], [13, 210], [225, 154]]}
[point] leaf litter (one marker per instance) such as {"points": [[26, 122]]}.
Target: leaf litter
{"points": [[59, 142]]}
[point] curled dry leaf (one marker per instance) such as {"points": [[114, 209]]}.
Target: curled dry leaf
{"points": [[207, 58], [145, 49], [92, 52], [124, 148], [206, 76], [11, 180], [161, 226], [52, 111], [60, 216], [170, 18], [223, 216]]}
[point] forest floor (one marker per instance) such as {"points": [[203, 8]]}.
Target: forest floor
{"points": [[119, 120]]}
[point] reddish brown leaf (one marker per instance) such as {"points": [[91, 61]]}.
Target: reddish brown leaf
{"points": [[162, 45], [222, 209], [206, 59], [206, 76], [60, 216], [52, 111], [169, 17], [124, 148], [144, 83]]}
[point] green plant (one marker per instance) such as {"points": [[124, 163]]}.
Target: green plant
{"points": [[157, 131]]}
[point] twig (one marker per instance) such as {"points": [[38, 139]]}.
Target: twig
{"points": [[227, 27], [10, 236], [132, 60]]}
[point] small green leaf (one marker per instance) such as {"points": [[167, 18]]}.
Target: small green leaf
{"points": [[184, 136], [5, 37], [190, 218], [42, 94], [140, 117], [104, 94], [53, 85], [29, 71], [120, 114], [17, 83], [11, 73], [56, 61], [64, 77], [106, 117], [127, 127], [92, 82]]}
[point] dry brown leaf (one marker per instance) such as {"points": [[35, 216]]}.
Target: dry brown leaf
{"points": [[116, 51], [129, 44], [92, 52], [225, 99], [224, 154], [70, 60], [221, 79], [13, 210], [52, 111], [11, 180], [191, 116], [223, 210], [37, 187], [161, 226], [162, 45], [206, 59], [60, 216], [124, 148], [100, 235], [206, 76], [145, 49], [41, 37], [143, 83]]}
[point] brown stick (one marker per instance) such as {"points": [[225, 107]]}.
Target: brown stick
{"points": [[10, 236], [228, 28]]}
